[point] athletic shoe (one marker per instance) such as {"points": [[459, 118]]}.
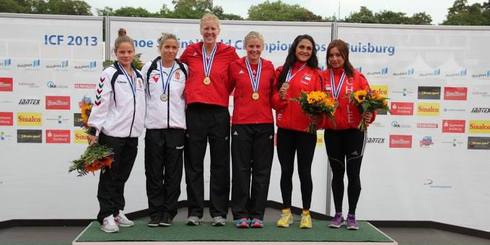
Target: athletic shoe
{"points": [[122, 220], [286, 218], [109, 225], [241, 223], [257, 223], [218, 221], [352, 223], [154, 221], [193, 221], [165, 220], [305, 220], [337, 221]]}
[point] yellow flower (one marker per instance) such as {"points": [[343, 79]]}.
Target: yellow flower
{"points": [[360, 95], [376, 95], [315, 97]]}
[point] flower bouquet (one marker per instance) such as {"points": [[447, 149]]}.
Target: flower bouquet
{"points": [[315, 104], [96, 156], [368, 101]]}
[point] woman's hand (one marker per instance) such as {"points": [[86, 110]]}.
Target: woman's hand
{"points": [[367, 117], [283, 91], [92, 139]]}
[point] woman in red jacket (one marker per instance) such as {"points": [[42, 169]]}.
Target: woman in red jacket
{"points": [[299, 73], [252, 133], [343, 139], [206, 92]]}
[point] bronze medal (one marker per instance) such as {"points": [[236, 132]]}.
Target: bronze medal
{"points": [[206, 81]]}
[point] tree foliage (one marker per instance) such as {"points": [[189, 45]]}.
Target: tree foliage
{"points": [[67, 7], [461, 13], [280, 11], [388, 17]]}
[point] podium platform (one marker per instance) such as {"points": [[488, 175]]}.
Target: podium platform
{"points": [[205, 234]]}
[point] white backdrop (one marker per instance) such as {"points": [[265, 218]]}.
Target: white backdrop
{"points": [[426, 162]]}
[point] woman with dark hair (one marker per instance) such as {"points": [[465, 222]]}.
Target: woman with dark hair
{"points": [[299, 73], [343, 139]]}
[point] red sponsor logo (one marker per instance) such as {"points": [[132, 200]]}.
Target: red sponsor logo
{"points": [[56, 136], [427, 125], [455, 93], [400, 141], [57, 102], [6, 119], [453, 126], [6, 84], [85, 85], [401, 108]]}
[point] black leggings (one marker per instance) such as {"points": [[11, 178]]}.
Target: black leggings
{"points": [[288, 142], [341, 145]]}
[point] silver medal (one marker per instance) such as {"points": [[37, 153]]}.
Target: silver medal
{"points": [[164, 97]]}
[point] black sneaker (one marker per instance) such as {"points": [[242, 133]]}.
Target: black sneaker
{"points": [[154, 221], [165, 220]]}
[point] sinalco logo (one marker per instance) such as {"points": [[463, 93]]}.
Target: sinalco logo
{"points": [[408, 72], [461, 73], [5, 63]]}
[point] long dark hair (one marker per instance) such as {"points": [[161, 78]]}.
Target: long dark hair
{"points": [[343, 48], [291, 58]]}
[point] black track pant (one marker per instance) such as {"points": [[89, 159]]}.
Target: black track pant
{"points": [[207, 123], [345, 148], [288, 143], [110, 192], [163, 170], [252, 150]]}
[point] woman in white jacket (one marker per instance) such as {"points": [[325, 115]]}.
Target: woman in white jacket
{"points": [[165, 131], [117, 120]]}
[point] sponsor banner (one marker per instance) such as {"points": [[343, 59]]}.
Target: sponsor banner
{"points": [[57, 119], [6, 119], [33, 64], [79, 136], [480, 110], [53, 84], [6, 84], [5, 136], [426, 142], [57, 102], [453, 142], [481, 93], [30, 101], [375, 140], [455, 93], [397, 124], [29, 119], [90, 86], [405, 92], [62, 65], [28, 84], [428, 109], [478, 143], [427, 125], [383, 90], [400, 141], [401, 108], [77, 120], [479, 126], [29, 136], [453, 126], [57, 136], [429, 93]]}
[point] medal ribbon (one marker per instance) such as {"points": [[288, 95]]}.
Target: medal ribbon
{"points": [[207, 61], [255, 80]]}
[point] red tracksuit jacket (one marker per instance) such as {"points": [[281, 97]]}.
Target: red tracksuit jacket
{"points": [[289, 114], [216, 93], [245, 109], [347, 114]]}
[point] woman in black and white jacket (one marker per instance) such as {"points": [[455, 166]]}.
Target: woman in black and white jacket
{"points": [[165, 131], [117, 120]]}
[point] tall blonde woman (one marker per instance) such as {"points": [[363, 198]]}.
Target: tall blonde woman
{"points": [[207, 93], [252, 145]]}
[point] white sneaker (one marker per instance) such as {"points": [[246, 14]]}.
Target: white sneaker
{"points": [[109, 225], [122, 220]]}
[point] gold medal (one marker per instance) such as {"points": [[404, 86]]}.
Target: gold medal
{"points": [[255, 96], [206, 81]]}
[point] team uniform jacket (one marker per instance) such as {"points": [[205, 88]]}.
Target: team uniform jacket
{"points": [[347, 114], [124, 114], [164, 114], [216, 93], [289, 114], [245, 109]]}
